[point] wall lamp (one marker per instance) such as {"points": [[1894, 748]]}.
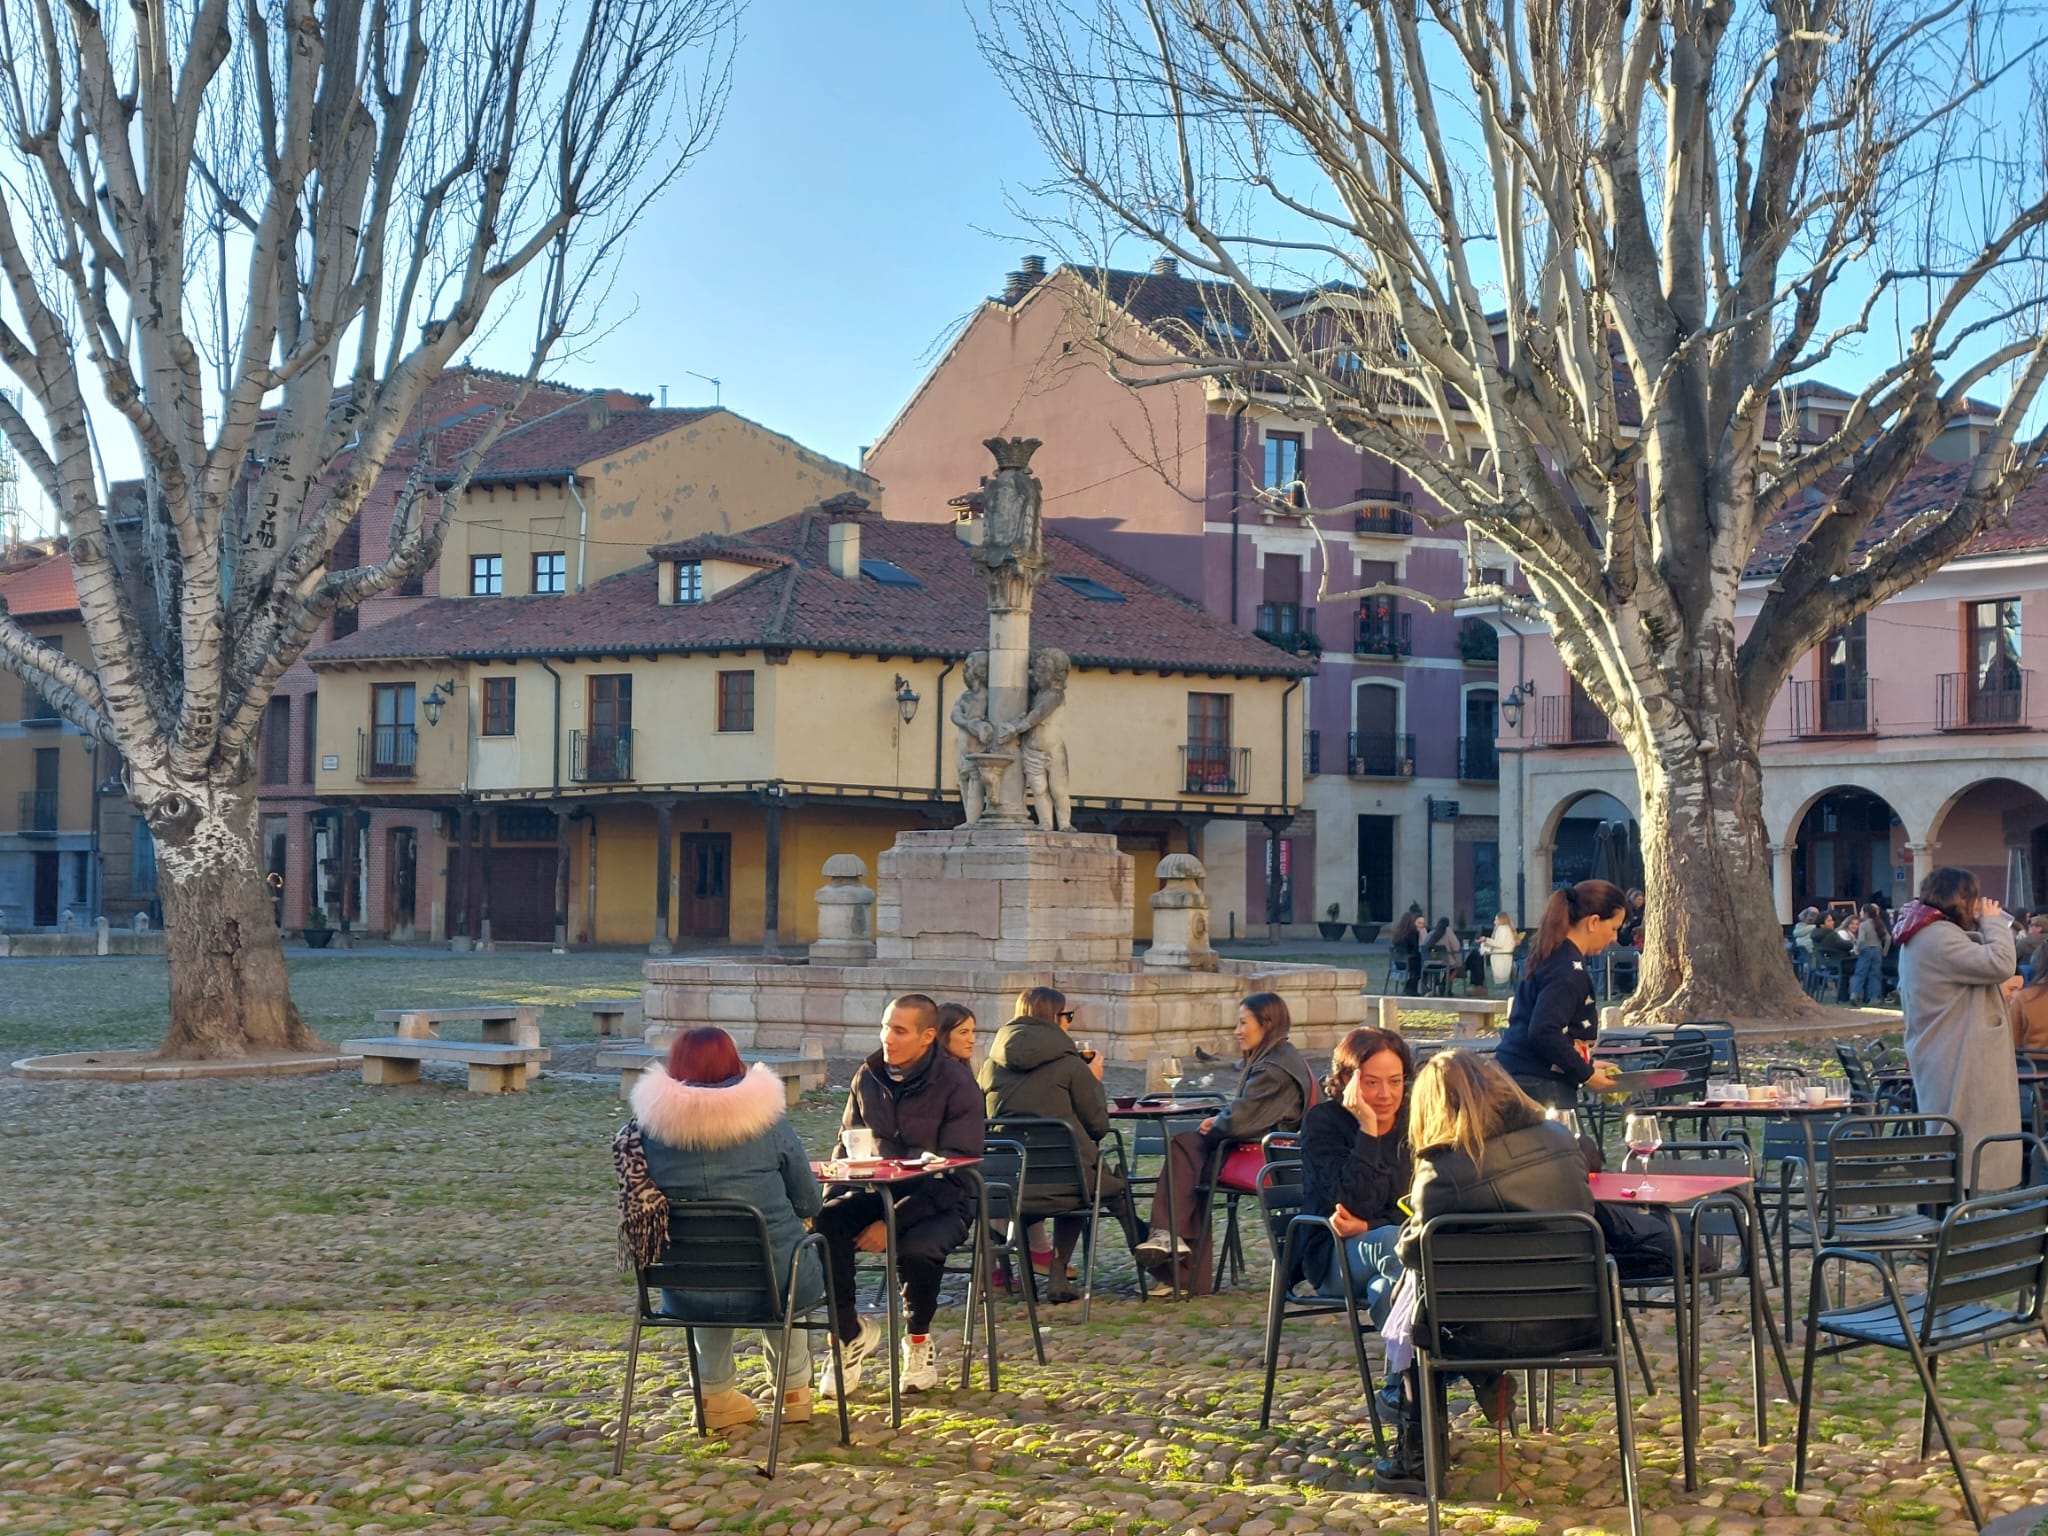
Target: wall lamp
{"points": [[1511, 704], [906, 699], [437, 697]]}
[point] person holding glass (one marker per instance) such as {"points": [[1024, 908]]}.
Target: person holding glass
{"points": [[1356, 1166], [1553, 1021]]}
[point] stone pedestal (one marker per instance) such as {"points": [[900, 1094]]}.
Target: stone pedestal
{"points": [[1005, 897], [1180, 918], [846, 914]]}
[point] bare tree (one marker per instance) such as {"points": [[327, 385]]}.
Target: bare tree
{"points": [[1567, 263], [252, 234]]}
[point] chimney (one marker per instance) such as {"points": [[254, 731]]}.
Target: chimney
{"points": [[967, 524], [844, 551], [1165, 266], [597, 410], [1013, 287], [1033, 270]]}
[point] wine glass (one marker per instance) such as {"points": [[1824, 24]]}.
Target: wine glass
{"points": [[1170, 1072], [1644, 1136]]}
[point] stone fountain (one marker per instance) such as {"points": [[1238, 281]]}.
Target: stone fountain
{"points": [[1013, 897]]}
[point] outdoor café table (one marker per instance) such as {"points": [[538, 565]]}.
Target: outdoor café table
{"points": [[839, 1173], [1619, 1050], [1694, 1193], [1165, 1114]]}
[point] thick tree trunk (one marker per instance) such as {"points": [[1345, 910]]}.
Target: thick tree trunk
{"points": [[1712, 948], [230, 995]]}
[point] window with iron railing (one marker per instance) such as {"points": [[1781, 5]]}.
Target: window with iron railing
{"points": [[1290, 626], [601, 757], [1384, 513], [1478, 759], [1208, 770], [390, 748], [1966, 701], [1383, 630], [1381, 755], [1311, 752]]}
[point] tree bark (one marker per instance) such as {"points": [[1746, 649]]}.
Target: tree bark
{"points": [[230, 995]]}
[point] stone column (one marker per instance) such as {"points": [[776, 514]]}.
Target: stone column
{"points": [[771, 875], [846, 914], [483, 865], [1781, 881], [1920, 863], [561, 878], [664, 841], [1539, 881], [1180, 918], [458, 899]]}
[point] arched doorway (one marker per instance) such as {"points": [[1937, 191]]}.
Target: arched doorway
{"points": [[1850, 847], [1998, 829], [1596, 839]]}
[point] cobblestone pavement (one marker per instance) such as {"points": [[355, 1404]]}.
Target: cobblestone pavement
{"points": [[303, 1305]]}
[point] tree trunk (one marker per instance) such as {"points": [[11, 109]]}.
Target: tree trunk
{"points": [[1712, 947], [230, 995]]}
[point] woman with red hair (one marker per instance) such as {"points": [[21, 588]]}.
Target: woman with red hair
{"points": [[712, 1129]]}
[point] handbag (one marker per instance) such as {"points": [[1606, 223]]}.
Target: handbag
{"points": [[1241, 1165]]}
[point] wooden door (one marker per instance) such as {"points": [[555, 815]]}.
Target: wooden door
{"points": [[706, 886], [46, 890]]}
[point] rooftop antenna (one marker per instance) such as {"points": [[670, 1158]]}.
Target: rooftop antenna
{"points": [[717, 389]]}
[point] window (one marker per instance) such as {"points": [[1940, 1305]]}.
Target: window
{"points": [[275, 742], [414, 585], [486, 575], [1845, 679], [345, 623], [689, 581], [35, 709], [736, 701], [1090, 588], [551, 571], [604, 754], [1994, 689], [393, 744], [1209, 758], [142, 862], [888, 573], [498, 705], [309, 734], [1283, 469], [526, 825]]}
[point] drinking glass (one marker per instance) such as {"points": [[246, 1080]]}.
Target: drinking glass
{"points": [[1170, 1073], [1643, 1136], [860, 1144], [1717, 1090]]}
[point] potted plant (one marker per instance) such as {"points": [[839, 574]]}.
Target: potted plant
{"points": [[1364, 929], [1329, 927], [316, 933]]}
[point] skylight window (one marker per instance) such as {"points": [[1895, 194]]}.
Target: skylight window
{"points": [[1215, 327], [888, 573], [1090, 588]]}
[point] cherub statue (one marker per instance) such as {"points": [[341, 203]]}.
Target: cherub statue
{"points": [[1043, 735], [977, 734]]}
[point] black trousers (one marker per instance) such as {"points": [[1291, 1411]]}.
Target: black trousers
{"points": [[922, 1244]]}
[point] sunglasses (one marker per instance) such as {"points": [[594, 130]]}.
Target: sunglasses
{"points": [[1067, 1014]]}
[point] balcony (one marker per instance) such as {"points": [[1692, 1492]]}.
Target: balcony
{"points": [[1207, 770], [386, 752], [1479, 759], [1289, 626], [1814, 713], [601, 757], [1387, 516], [1571, 720], [1381, 755], [37, 813], [1382, 631], [1311, 752], [1478, 643], [1967, 702]]}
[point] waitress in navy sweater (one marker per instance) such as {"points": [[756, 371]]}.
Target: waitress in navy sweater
{"points": [[1548, 1046]]}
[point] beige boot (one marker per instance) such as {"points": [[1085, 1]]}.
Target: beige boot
{"points": [[796, 1406], [728, 1410]]}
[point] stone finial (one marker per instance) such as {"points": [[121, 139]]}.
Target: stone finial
{"points": [[142, 922], [1180, 917], [846, 866], [1181, 866], [846, 914]]}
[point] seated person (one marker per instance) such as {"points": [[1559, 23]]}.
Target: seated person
{"points": [[1356, 1166], [705, 1127], [1828, 938], [916, 1099], [956, 1033], [1273, 1094], [1035, 1068], [1480, 1145]]}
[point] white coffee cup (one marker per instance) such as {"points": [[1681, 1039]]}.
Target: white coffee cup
{"points": [[860, 1144], [1816, 1094], [1718, 1090], [1738, 1093]]}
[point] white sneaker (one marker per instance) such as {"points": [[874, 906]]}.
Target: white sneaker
{"points": [[920, 1365], [853, 1353]]}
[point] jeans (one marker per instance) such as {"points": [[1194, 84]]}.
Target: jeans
{"points": [[1374, 1269], [717, 1373], [921, 1249], [1867, 984]]}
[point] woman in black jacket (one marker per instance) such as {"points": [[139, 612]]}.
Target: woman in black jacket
{"points": [[1552, 1022], [1356, 1165], [1406, 947]]}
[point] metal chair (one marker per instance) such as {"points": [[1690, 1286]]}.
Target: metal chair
{"points": [[1280, 1199], [1524, 1267], [1056, 1184], [1720, 1034], [1984, 1282], [1714, 1222], [720, 1248], [1004, 1169]]}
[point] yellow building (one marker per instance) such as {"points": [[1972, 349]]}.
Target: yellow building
{"points": [[674, 753]]}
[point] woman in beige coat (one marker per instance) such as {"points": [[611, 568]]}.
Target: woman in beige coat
{"points": [[1955, 951]]}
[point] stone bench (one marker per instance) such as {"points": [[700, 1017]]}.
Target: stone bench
{"points": [[1489, 1013], [493, 1067], [616, 1015], [499, 1024], [797, 1072]]}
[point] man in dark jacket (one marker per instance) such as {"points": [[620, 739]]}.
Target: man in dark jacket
{"points": [[915, 1098]]}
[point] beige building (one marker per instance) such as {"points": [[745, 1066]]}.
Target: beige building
{"points": [[674, 753]]}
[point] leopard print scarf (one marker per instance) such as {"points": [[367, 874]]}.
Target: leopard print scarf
{"points": [[643, 1208]]}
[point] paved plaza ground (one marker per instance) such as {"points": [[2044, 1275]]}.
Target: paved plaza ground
{"points": [[303, 1305]]}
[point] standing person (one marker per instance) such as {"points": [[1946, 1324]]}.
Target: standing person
{"points": [[1500, 950], [1035, 1068], [1872, 943], [705, 1127], [1273, 1094], [1406, 946], [916, 1099], [1552, 1022], [1356, 1166], [1955, 951], [956, 1032]]}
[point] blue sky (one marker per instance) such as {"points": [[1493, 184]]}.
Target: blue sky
{"points": [[850, 214]]}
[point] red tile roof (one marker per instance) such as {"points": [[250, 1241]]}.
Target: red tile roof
{"points": [[42, 590], [1934, 487], [797, 603], [563, 441]]}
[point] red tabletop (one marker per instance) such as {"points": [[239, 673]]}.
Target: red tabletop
{"points": [[1665, 1188], [1161, 1111], [887, 1171]]}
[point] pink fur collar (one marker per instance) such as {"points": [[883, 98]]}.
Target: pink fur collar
{"points": [[706, 1119]]}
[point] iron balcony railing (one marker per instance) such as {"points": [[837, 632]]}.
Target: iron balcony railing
{"points": [[1816, 713], [37, 813], [387, 752], [1384, 514], [1479, 759], [1478, 644], [601, 757], [1289, 626], [1207, 770], [1383, 631], [1311, 752], [1381, 755], [1571, 720], [1969, 701]]}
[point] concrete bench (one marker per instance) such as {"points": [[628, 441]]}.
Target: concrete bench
{"points": [[1489, 1013], [616, 1015], [797, 1071], [499, 1024], [493, 1067]]}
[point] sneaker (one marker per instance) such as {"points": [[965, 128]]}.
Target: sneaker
{"points": [[1158, 1289], [853, 1353], [1159, 1248], [796, 1405], [728, 1410], [920, 1364]]}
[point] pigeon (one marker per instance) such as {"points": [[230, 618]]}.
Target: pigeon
{"points": [[1202, 1055]]}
